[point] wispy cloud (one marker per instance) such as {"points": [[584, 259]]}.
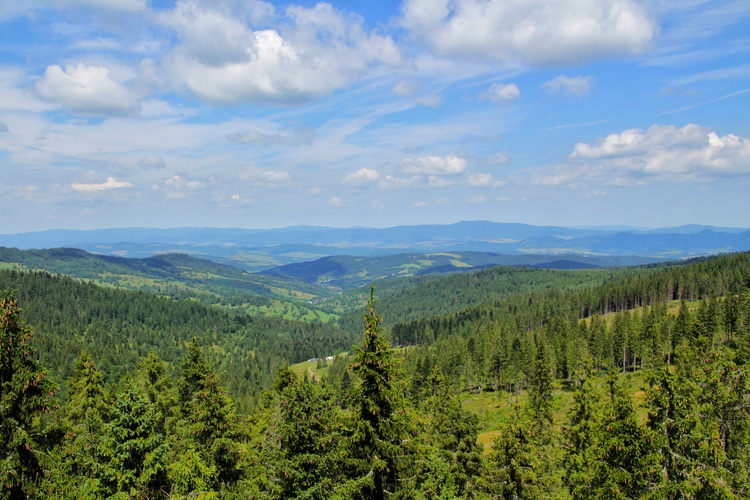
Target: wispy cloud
{"points": [[693, 106], [578, 86], [110, 183]]}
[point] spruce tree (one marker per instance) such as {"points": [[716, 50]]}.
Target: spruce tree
{"points": [[453, 432], [25, 395], [376, 439], [513, 469], [136, 450], [581, 436], [627, 464], [540, 393]]}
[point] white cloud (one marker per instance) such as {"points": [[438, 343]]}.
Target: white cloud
{"points": [[477, 199], [276, 176], [433, 165], [500, 92], [663, 153], [335, 202], [86, 89], [391, 182], [558, 176], [110, 183], [180, 182], [478, 179], [578, 86], [221, 59], [636, 143], [13, 96], [537, 32], [361, 177]]}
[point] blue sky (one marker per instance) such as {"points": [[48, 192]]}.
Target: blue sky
{"points": [[242, 113]]}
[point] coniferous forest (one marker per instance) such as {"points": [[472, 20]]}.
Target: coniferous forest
{"points": [[503, 383]]}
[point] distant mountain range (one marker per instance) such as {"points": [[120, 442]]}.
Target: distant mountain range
{"points": [[263, 249]]}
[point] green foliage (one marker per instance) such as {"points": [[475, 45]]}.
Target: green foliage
{"points": [[513, 467], [134, 447], [377, 434], [581, 440], [627, 463], [118, 328], [540, 392], [452, 431], [25, 395]]}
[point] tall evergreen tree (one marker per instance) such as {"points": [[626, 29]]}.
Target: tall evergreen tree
{"points": [[25, 394], [581, 436], [627, 465], [513, 468], [136, 450], [540, 392], [377, 435], [80, 464], [453, 432]]}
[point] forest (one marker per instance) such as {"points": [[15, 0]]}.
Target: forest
{"points": [[501, 383]]}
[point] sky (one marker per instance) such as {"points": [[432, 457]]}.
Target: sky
{"points": [[255, 114]]}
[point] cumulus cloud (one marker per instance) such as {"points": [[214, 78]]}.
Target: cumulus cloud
{"points": [[434, 165], [578, 86], [283, 137], [500, 92], [86, 89], [110, 183], [222, 59], [361, 177], [663, 153], [153, 161], [536, 32]]}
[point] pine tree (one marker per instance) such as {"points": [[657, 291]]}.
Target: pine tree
{"points": [[80, 464], [627, 465], [513, 468], [209, 417], [308, 436], [25, 395], [376, 439], [453, 432], [137, 453], [581, 440], [540, 393]]}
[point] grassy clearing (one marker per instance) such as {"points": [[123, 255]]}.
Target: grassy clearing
{"points": [[495, 408]]}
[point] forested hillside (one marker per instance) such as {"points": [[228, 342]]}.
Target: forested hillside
{"points": [[159, 394], [120, 327], [178, 276]]}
